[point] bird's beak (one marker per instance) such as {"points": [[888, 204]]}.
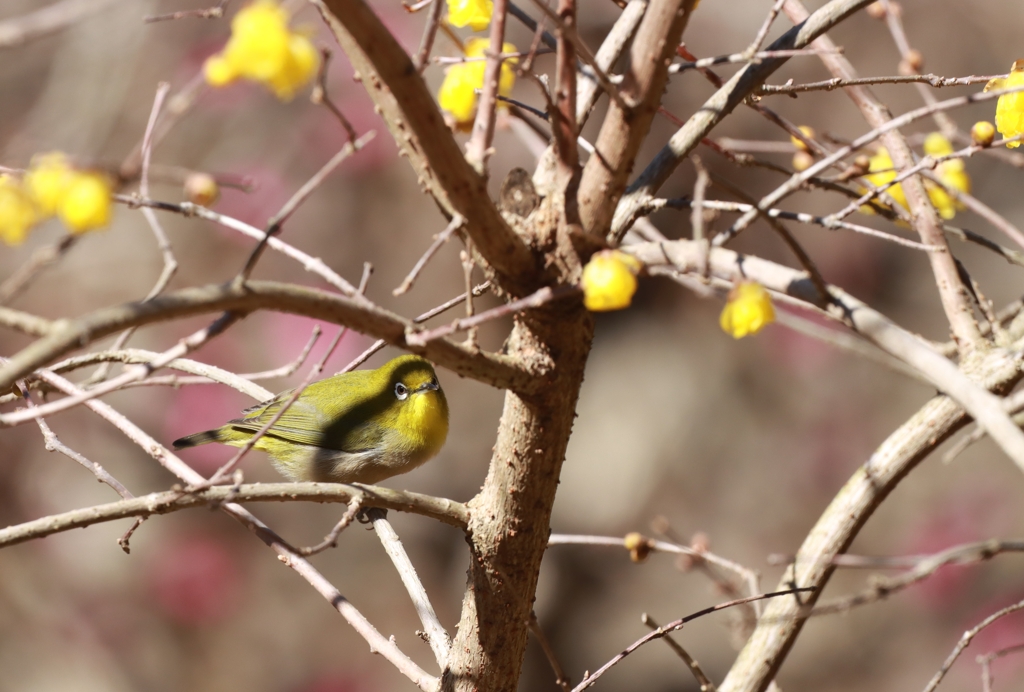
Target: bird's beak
{"points": [[426, 386]]}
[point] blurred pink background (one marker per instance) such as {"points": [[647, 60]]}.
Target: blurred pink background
{"points": [[746, 441]]}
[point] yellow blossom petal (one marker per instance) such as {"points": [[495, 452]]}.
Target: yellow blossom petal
{"points": [[218, 71], [474, 13], [260, 39], [17, 212], [48, 177], [85, 204], [748, 310], [609, 281], [936, 144], [458, 91], [299, 69], [882, 162], [1010, 107]]}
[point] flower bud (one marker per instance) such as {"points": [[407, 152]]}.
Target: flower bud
{"points": [[983, 132], [201, 189]]}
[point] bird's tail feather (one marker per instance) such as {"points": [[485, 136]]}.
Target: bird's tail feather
{"points": [[199, 438]]}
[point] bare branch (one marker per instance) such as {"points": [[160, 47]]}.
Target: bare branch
{"points": [[965, 641], [985, 407], [702, 679], [416, 123], [721, 104], [626, 126], [438, 639], [356, 313], [678, 625]]}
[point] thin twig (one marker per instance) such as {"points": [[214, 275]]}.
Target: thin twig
{"points": [[840, 83], [561, 679], [677, 625], [439, 240], [429, 32], [278, 219], [319, 97], [331, 539], [229, 467], [41, 258], [534, 300], [741, 57], [478, 149], [436, 635], [134, 374], [215, 12], [965, 641], [308, 262], [702, 679]]}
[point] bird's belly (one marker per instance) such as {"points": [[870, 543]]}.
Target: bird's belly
{"points": [[309, 463]]}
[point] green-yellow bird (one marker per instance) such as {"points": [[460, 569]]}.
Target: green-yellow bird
{"points": [[356, 427]]}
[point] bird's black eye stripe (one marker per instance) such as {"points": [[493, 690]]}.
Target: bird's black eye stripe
{"points": [[401, 391]]}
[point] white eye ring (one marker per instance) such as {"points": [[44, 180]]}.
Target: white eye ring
{"points": [[401, 392]]}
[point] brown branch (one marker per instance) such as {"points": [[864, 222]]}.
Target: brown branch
{"points": [[41, 258], [356, 313], [720, 105], [535, 300], [925, 220], [443, 510], [25, 323], [839, 83], [664, 630], [985, 407], [702, 679], [429, 32], [561, 679], [965, 641], [478, 149], [415, 122], [626, 125]]}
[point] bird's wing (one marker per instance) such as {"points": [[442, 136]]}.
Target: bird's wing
{"points": [[334, 422]]}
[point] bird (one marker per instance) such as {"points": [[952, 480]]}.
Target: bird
{"points": [[362, 426]]}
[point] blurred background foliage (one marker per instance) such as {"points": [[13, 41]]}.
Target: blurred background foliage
{"points": [[744, 441]]}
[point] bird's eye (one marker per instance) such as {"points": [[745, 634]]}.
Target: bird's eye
{"points": [[401, 391]]}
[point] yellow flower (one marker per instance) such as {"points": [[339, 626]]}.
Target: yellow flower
{"points": [[882, 163], [475, 13], [300, 67], [808, 132], [85, 205], [1010, 107], [17, 212], [458, 91], [263, 49], [609, 281], [47, 179], [747, 311], [218, 71], [952, 173], [258, 48]]}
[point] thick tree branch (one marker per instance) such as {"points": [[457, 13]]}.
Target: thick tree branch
{"points": [[416, 123], [721, 104], [355, 312], [624, 129]]}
